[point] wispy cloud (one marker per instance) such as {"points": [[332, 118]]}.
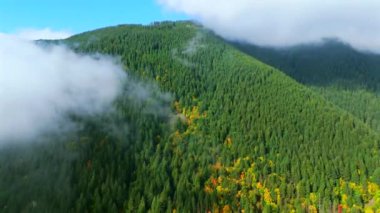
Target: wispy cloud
{"points": [[288, 22], [36, 34], [39, 86]]}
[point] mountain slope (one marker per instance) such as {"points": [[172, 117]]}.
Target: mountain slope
{"points": [[322, 64], [348, 78], [242, 108], [246, 135]]}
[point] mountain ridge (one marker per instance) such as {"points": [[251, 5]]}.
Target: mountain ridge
{"points": [[229, 102], [249, 137], [343, 75]]}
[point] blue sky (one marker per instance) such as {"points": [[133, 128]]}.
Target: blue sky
{"points": [[78, 15]]}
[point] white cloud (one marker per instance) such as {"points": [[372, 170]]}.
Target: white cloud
{"points": [[40, 85], [46, 33], [288, 22]]}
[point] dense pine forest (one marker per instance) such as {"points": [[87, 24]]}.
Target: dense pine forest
{"points": [[345, 76], [221, 132]]}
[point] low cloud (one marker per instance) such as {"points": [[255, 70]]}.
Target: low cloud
{"points": [[285, 23], [39, 86], [36, 34]]}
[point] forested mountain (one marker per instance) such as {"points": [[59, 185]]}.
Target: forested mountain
{"points": [[345, 76], [240, 136], [321, 64]]}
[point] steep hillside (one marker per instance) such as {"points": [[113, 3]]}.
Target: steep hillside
{"points": [[348, 78], [246, 136], [239, 108], [330, 62]]}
